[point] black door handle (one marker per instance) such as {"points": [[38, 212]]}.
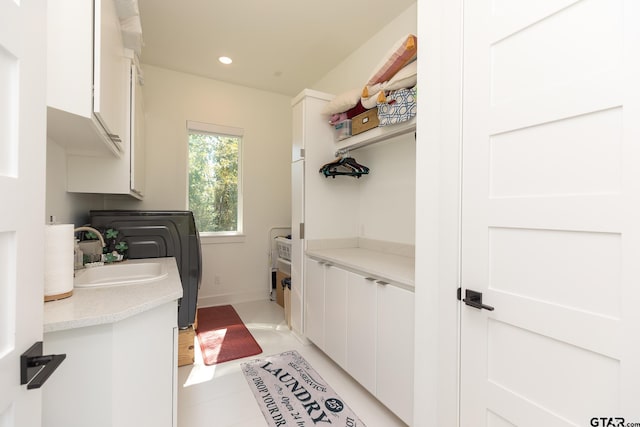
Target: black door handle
{"points": [[474, 299], [35, 368]]}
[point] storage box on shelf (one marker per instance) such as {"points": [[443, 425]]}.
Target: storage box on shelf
{"points": [[342, 129], [365, 121]]}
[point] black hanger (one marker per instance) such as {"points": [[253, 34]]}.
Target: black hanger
{"points": [[344, 166]]}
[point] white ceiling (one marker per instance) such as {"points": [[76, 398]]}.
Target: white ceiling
{"points": [[280, 46]]}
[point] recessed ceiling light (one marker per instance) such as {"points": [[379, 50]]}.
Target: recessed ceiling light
{"points": [[225, 60]]}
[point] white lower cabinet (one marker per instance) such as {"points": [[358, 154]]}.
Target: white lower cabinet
{"points": [[314, 272], [335, 314], [394, 350], [366, 326], [361, 330], [326, 308], [119, 374]]}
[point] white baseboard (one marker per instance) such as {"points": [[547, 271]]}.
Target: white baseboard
{"points": [[235, 298]]}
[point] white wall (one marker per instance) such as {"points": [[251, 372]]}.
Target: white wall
{"points": [[387, 194], [233, 269], [358, 67], [67, 208]]}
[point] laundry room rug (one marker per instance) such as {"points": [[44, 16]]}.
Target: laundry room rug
{"points": [[290, 392], [223, 336]]}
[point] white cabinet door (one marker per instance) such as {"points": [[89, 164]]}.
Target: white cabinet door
{"points": [[297, 247], [110, 84], [137, 149], [394, 350], [297, 143], [115, 375], [75, 120], [149, 400], [361, 330], [335, 314], [115, 175], [314, 301]]}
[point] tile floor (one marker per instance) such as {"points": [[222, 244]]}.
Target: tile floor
{"points": [[218, 396]]}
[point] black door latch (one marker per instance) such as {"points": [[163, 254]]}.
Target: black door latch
{"points": [[474, 299], [36, 368]]}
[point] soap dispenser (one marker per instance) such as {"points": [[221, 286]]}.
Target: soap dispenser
{"points": [[77, 256]]}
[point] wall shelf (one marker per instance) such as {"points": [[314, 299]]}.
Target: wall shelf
{"points": [[375, 135]]}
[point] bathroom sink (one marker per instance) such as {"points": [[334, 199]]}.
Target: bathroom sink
{"points": [[124, 273]]}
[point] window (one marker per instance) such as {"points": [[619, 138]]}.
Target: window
{"points": [[215, 190]]}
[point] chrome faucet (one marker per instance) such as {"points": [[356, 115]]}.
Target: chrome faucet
{"points": [[93, 230]]}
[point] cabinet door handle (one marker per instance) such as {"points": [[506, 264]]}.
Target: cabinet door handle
{"points": [[382, 282], [370, 279]]}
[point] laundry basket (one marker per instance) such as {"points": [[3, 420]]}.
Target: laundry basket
{"points": [[284, 248]]}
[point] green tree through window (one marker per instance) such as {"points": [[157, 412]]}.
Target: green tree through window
{"points": [[213, 180]]}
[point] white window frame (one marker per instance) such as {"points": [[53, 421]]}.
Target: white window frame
{"points": [[221, 236]]}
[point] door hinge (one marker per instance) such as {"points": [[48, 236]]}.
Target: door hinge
{"points": [[302, 153], [459, 294], [302, 230]]}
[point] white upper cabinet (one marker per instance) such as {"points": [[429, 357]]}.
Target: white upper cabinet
{"points": [[94, 96], [113, 175], [137, 161], [110, 86], [308, 122], [87, 77]]}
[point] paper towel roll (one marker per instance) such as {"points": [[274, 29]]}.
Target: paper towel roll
{"points": [[58, 261]]}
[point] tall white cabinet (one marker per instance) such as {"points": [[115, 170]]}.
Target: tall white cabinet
{"points": [[307, 125], [356, 289]]}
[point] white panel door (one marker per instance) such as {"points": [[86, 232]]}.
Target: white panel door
{"points": [[22, 191], [551, 208]]}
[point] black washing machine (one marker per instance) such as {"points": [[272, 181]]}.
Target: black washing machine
{"points": [[157, 234]]}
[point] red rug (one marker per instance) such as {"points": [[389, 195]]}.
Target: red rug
{"points": [[223, 336]]}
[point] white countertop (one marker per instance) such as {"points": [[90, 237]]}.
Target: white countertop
{"points": [[101, 305], [382, 265]]}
